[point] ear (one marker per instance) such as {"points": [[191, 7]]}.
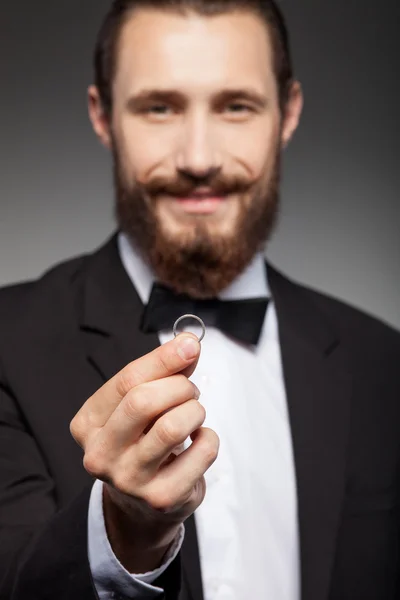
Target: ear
{"points": [[292, 113], [99, 120]]}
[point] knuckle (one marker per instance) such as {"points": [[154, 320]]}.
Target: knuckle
{"points": [[77, 429], [168, 431], [202, 413], [143, 402], [183, 387], [196, 413], [136, 402], [128, 379], [161, 500], [210, 447], [127, 476], [94, 464], [96, 459], [123, 483], [143, 399]]}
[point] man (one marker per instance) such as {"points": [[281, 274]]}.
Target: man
{"points": [[195, 100]]}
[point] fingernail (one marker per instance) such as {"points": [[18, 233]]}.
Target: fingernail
{"points": [[188, 348], [197, 393]]}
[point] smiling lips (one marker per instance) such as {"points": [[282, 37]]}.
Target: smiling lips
{"points": [[201, 202]]}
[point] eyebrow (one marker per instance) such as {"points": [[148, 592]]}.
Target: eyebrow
{"points": [[139, 100]]}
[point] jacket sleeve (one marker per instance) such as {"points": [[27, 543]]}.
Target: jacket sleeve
{"points": [[43, 550]]}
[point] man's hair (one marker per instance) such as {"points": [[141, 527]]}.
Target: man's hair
{"points": [[105, 58]]}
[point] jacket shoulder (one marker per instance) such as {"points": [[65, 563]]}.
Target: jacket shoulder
{"points": [[350, 316], [359, 329], [33, 301]]}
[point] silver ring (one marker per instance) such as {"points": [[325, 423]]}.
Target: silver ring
{"points": [[176, 332]]}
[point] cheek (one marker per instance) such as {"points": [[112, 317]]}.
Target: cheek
{"points": [[139, 148], [255, 147]]}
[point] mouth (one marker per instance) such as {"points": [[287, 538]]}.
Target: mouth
{"points": [[201, 202]]}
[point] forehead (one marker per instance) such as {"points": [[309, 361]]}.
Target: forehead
{"points": [[194, 52]]}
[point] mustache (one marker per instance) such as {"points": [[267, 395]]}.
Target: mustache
{"points": [[185, 186]]}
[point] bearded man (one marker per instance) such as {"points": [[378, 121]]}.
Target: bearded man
{"points": [[289, 487]]}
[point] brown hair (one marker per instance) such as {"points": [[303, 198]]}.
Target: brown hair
{"points": [[120, 10]]}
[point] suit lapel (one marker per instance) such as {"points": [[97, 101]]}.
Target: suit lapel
{"points": [[318, 394], [110, 324], [111, 315]]}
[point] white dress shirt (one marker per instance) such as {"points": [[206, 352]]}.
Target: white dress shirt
{"points": [[247, 524]]}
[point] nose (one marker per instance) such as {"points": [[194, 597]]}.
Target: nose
{"points": [[197, 154]]}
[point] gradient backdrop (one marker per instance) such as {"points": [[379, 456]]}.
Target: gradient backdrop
{"points": [[340, 223]]}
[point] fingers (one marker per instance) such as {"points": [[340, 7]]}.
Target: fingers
{"points": [[168, 432], [178, 355], [175, 483], [136, 470], [169, 359], [140, 408], [130, 428]]}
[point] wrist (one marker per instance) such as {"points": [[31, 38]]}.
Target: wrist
{"points": [[139, 542]]}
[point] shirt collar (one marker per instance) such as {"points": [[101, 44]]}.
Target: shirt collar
{"points": [[251, 283]]}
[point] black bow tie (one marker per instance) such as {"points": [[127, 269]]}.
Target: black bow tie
{"points": [[241, 319]]}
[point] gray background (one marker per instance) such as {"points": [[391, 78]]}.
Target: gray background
{"points": [[340, 224]]}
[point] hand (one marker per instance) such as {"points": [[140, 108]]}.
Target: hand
{"points": [[130, 431]]}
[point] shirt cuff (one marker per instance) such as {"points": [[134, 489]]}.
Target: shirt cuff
{"points": [[110, 577]]}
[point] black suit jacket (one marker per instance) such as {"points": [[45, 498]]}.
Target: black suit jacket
{"points": [[63, 336]]}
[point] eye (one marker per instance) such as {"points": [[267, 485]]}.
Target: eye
{"points": [[239, 107], [157, 109], [238, 111]]}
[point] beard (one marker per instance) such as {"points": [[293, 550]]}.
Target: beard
{"points": [[198, 262]]}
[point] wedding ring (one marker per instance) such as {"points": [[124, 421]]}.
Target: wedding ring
{"points": [[176, 332]]}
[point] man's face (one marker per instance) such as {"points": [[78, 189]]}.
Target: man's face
{"points": [[196, 134]]}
